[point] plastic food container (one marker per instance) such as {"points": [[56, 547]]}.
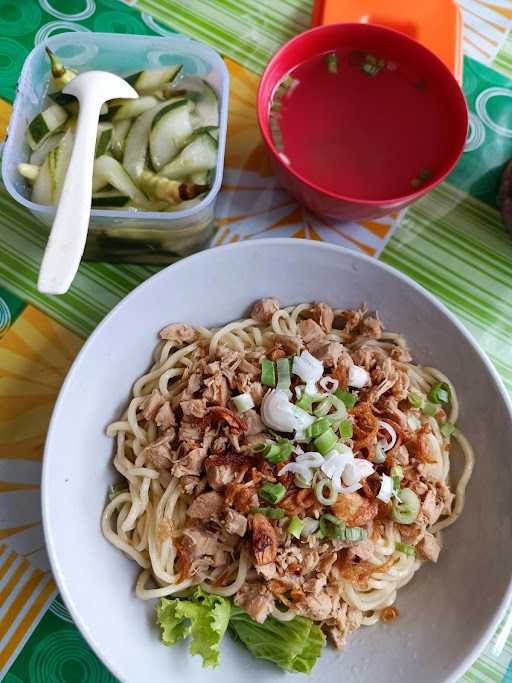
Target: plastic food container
{"points": [[123, 236]]}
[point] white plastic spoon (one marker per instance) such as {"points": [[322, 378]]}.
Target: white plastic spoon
{"points": [[68, 235]]}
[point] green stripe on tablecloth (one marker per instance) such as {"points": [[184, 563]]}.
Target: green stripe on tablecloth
{"points": [[456, 247], [10, 308], [244, 30], [503, 60], [95, 291]]}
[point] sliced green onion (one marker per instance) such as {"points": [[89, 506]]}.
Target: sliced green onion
{"points": [[283, 374], [397, 471], [325, 442], [268, 373], [285, 447], [309, 526], [415, 399], [317, 428], [447, 429], [406, 549], [271, 513], [320, 490], [379, 456], [243, 402], [305, 402], [295, 526], [355, 533], [440, 393], [276, 453], [430, 409], [345, 429], [348, 398], [261, 446], [331, 60], [340, 409], [406, 509], [272, 492], [269, 450], [332, 527], [397, 474], [323, 407]]}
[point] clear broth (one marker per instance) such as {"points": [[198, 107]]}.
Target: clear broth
{"points": [[360, 126]]}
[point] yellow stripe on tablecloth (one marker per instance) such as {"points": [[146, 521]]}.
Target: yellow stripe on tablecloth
{"points": [[17, 486], [5, 115], [13, 582], [25, 624], [5, 533], [21, 599], [4, 568]]}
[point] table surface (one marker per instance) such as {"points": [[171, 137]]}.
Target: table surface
{"points": [[452, 242]]}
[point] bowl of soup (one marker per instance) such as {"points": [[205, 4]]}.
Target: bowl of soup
{"points": [[360, 120]]}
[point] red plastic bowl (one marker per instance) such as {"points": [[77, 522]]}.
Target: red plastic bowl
{"points": [[399, 48]]}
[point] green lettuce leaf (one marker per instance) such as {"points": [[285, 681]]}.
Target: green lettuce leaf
{"points": [[293, 645], [203, 617]]}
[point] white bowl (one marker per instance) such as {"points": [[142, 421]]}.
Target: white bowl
{"points": [[449, 610]]}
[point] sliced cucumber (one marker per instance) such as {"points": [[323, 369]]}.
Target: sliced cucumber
{"points": [[121, 129], [58, 162], [44, 124], [103, 138], [129, 109], [214, 132], [70, 103], [207, 107], [64, 100], [39, 155], [199, 155], [110, 198], [211, 130], [42, 190], [28, 171], [110, 172], [169, 131], [137, 140], [70, 123], [201, 178], [205, 97], [146, 82], [188, 84]]}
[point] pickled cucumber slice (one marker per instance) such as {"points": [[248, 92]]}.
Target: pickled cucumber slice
{"points": [[169, 131], [109, 199], [146, 82], [42, 190], [129, 109], [199, 155], [120, 132], [44, 124], [103, 138], [108, 171]]}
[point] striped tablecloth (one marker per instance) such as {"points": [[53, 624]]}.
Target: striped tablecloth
{"points": [[452, 242]]}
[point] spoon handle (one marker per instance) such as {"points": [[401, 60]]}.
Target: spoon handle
{"points": [[69, 231]]}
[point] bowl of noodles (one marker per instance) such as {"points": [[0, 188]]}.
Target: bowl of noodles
{"points": [[281, 455]]}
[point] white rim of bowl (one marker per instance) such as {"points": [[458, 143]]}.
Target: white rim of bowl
{"points": [[59, 577]]}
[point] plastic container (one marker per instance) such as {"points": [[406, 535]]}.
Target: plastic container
{"points": [[123, 236]]}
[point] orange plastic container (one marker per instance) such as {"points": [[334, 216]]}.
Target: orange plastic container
{"points": [[436, 24]]}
